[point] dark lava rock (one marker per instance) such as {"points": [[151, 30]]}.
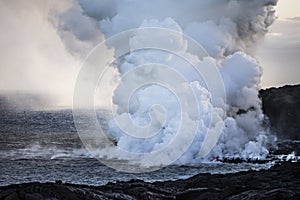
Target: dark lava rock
{"points": [[282, 106], [280, 182]]}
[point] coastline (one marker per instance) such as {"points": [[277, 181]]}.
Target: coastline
{"points": [[282, 181], [279, 182]]}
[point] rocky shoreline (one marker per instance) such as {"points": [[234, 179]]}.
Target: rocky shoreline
{"points": [[280, 182]]}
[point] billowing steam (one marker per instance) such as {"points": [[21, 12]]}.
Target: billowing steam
{"points": [[228, 30]]}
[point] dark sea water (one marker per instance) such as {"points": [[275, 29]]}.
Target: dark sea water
{"points": [[44, 146]]}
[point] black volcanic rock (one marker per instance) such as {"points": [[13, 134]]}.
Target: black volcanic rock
{"points": [[280, 182], [282, 106]]}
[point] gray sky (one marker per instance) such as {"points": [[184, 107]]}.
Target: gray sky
{"points": [[280, 52], [32, 55]]}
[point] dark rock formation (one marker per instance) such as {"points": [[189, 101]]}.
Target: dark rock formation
{"points": [[282, 106], [280, 182]]}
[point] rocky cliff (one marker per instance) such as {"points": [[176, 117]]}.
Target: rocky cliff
{"points": [[282, 107]]}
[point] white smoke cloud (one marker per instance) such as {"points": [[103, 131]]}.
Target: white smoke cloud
{"points": [[79, 32], [228, 30]]}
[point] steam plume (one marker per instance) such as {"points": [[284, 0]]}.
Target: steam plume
{"points": [[229, 31]]}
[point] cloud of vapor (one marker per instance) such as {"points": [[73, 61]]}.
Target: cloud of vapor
{"points": [[250, 18], [227, 29]]}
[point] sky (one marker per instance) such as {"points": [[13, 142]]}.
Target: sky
{"points": [[279, 54], [33, 57]]}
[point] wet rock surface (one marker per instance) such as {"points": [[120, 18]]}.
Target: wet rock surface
{"points": [[280, 182], [282, 106]]}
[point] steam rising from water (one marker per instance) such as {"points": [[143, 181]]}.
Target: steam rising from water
{"points": [[228, 30]]}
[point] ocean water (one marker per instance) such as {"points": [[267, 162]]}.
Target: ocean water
{"points": [[44, 146]]}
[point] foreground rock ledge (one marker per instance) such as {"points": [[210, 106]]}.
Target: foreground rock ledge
{"points": [[280, 182]]}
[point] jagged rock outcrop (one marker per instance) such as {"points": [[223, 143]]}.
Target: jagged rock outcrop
{"points": [[282, 106]]}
